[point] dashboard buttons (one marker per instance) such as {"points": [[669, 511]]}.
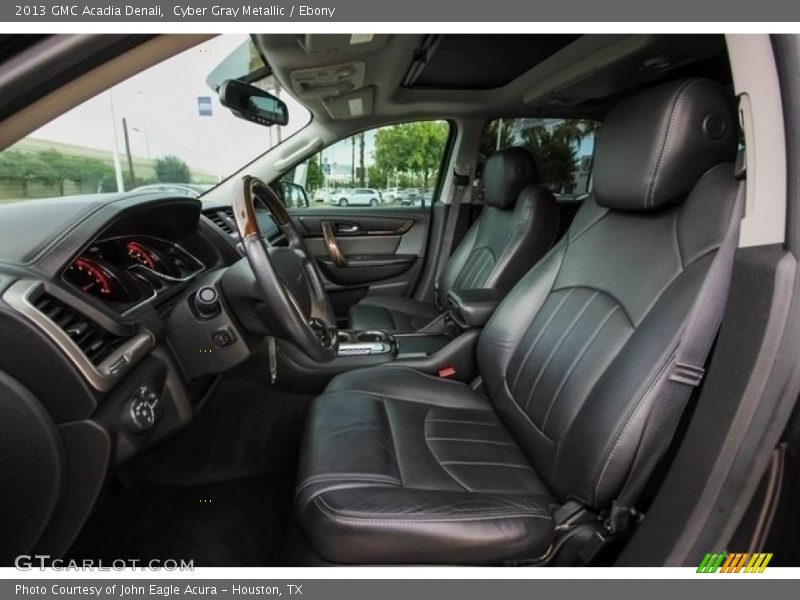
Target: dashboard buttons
{"points": [[223, 337]]}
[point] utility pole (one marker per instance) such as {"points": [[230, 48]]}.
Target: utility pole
{"points": [[361, 159], [115, 149], [128, 151], [353, 161]]}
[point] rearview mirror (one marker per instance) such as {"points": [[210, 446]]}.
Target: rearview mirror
{"points": [[253, 104]]}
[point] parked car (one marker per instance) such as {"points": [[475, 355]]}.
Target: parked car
{"points": [[356, 197], [411, 196], [322, 194], [191, 190]]}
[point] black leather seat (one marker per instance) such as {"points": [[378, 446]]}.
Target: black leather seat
{"points": [[516, 227], [398, 466]]}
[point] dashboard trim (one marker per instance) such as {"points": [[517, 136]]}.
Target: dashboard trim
{"points": [[101, 377]]}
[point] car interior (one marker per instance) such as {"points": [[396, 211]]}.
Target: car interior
{"points": [[526, 370]]}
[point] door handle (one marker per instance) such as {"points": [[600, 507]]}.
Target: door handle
{"points": [[348, 228], [339, 260]]}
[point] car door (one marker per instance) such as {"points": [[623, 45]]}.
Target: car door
{"points": [[362, 249]]}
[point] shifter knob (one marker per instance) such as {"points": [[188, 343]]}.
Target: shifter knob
{"points": [[206, 301]]}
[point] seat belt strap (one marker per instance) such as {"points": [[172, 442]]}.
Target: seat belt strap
{"points": [[684, 373], [461, 187]]}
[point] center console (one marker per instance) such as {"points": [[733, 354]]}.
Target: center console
{"points": [[445, 347], [400, 346]]}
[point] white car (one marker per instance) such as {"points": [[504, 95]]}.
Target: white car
{"points": [[355, 197]]}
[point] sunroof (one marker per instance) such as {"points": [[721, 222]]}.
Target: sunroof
{"points": [[478, 61]]}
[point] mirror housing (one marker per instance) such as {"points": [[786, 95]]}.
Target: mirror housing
{"points": [[253, 104], [293, 195]]}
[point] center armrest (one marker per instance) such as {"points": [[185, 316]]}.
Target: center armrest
{"points": [[473, 308]]}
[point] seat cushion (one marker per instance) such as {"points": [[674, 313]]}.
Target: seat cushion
{"points": [[402, 467], [388, 313]]}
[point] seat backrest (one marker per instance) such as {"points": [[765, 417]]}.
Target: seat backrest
{"points": [[516, 227], [569, 355]]}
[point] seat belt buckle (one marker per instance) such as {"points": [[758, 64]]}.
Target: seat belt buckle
{"points": [[687, 374], [446, 372]]}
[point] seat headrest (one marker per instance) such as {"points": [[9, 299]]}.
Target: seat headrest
{"points": [[505, 174], [654, 146]]}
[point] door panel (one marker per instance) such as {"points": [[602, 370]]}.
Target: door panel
{"points": [[377, 250]]}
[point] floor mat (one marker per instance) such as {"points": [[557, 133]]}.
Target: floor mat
{"points": [[238, 523]]}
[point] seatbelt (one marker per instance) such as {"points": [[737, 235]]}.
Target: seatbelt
{"points": [[685, 373], [462, 186]]}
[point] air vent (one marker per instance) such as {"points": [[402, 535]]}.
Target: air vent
{"points": [[223, 218], [94, 341]]}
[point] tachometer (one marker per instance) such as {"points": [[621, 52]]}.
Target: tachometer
{"points": [[90, 277], [96, 277]]}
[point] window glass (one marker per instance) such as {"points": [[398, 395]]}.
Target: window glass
{"points": [[388, 167], [563, 149], [163, 130]]}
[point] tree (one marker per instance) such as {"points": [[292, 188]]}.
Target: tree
{"points": [[171, 169], [498, 135], [411, 148], [314, 177], [52, 167]]}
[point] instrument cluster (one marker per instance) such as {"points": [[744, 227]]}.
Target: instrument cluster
{"points": [[125, 272]]}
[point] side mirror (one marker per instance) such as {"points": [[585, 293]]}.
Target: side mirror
{"points": [[253, 104], [294, 195]]}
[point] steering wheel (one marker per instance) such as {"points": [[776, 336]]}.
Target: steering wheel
{"points": [[287, 278]]}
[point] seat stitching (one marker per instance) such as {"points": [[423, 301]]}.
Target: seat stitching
{"points": [[347, 477], [532, 345], [604, 293], [666, 133], [349, 515], [626, 423], [394, 445], [557, 347], [439, 460], [463, 422], [470, 441], [471, 463], [469, 266], [479, 278], [578, 357]]}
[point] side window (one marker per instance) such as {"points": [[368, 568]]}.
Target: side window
{"points": [[563, 149], [387, 167]]}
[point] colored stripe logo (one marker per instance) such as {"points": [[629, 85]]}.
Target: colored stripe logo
{"points": [[734, 562]]}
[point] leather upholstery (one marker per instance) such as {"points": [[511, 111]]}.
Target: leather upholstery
{"points": [[656, 145], [392, 313], [395, 459], [514, 230], [505, 174], [566, 359]]}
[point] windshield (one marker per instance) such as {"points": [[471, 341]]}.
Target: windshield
{"points": [[163, 128]]}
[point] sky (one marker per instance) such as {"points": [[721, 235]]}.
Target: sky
{"points": [[161, 109]]}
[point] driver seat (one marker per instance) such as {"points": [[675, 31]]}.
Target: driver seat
{"points": [[398, 466]]}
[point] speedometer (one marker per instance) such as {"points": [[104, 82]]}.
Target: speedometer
{"points": [[141, 255]]}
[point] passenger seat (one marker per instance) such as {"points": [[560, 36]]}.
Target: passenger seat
{"points": [[515, 229]]}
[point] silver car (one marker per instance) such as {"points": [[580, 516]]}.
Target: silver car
{"points": [[355, 197]]}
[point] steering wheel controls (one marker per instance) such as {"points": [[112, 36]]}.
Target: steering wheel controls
{"points": [[142, 410]]}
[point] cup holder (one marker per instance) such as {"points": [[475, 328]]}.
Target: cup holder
{"points": [[345, 337], [371, 336]]}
